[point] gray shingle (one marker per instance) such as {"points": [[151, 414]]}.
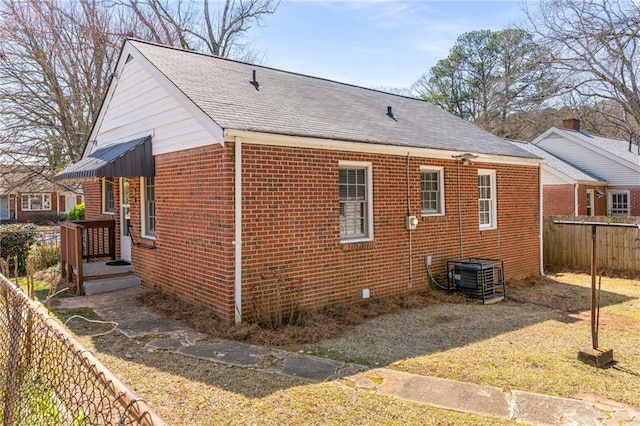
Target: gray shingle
{"points": [[292, 104]]}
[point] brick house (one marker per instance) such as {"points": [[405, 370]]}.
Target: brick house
{"points": [[606, 172], [27, 194], [229, 175], [567, 190]]}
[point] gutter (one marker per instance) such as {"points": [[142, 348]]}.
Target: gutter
{"points": [[541, 220], [238, 230]]}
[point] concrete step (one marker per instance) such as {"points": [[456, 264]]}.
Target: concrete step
{"points": [[105, 285]]}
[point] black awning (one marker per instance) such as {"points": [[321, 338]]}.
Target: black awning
{"points": [[127, 159]]}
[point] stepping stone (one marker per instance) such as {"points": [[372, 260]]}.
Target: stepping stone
{"points": [[312, 368]]}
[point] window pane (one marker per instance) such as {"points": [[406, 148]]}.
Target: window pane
{"points": [[430, 195], [150, 206], [352, 188]]}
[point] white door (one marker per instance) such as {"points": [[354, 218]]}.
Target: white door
{"points": [[125, 220]]}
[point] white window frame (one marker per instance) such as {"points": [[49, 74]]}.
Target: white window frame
{"points": [[144, 209], [610, 195], [104, 196], [368, 167], [441, 208], [43, 196], [590, 202], [493, 200]]}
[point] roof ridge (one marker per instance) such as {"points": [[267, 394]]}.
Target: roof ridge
{"points": [[179, 49]]}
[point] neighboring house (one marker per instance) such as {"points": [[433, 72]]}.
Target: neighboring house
{"points": [[567, 190], [27, 194], [237, 181], [609, 161]]}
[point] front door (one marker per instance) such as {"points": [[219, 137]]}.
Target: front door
{"points": [[125, 220], [4, 207]]}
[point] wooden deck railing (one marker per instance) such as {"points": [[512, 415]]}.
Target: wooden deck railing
{"points": [[85, 240]]}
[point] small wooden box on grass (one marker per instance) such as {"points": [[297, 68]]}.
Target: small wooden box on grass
{"points": [[596, 357]]}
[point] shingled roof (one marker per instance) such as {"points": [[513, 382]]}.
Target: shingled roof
{"points": [[286, 103]]}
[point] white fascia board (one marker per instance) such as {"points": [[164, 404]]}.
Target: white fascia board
{"points": [[563, 177], [200, 116], [259, 138], [588, 146], [546, 134]]}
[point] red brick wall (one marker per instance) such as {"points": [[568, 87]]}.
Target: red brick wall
{"points": [[291, 222], [635, 200], [192, 255], [600, 203], [558, 200], [291, 226]]}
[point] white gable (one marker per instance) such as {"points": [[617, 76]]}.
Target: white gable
{"points": [[588, 158], [140, 105]]}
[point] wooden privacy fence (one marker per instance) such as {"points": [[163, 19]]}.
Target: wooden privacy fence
{"points": [[618, 248]]}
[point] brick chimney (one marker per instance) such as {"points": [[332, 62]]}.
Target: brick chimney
{"points": [[571, 124]]}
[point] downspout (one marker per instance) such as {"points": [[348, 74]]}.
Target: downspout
{"points": [[238, 230], [410, 231], [541, 220], [575, 199]]}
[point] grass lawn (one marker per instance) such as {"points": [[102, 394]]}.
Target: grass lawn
{"points": [[529, 342], [187, 391]]}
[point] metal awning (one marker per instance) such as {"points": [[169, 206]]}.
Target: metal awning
{"points": [[127, 159]]}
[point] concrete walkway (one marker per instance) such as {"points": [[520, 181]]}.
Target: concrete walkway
{"points": [[162, 334]]}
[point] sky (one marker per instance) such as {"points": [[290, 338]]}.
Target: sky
{"points": [[373, 43]]}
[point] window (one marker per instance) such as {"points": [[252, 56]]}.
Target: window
{"points": [[589, 202], [356, 207], [36, 202], [149, 207], [618, 203], [432, 191], [487, 199], [108, 205]]}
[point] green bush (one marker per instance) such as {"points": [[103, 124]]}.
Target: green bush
{"points": [[76, 213], [44, 256], [16, 240]]}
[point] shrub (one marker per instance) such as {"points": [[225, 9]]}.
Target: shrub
{"points": [[76, 213], [44, 256], [16, 240], [45, 219]]}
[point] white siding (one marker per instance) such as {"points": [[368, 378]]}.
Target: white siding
{"points": [[614, 173], [549, 178], [140, 106]]}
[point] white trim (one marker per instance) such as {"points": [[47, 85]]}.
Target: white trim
{"points": [[567, 135], [258, 138], [368, 166], [143, 211], [440, 171], [593, 201], [104, 196], [43, 195], [493, 224], [611, 192], [575, 199], [541, 221]]}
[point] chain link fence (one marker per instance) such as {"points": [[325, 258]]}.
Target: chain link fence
{"points": [[47, 378]]}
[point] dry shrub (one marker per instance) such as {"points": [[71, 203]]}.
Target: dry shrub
{"points": [[327, 322]]}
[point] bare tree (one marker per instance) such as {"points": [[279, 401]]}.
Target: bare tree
{"points": [[55, 65], [594, 45], [57, 58], [218, 28]]}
